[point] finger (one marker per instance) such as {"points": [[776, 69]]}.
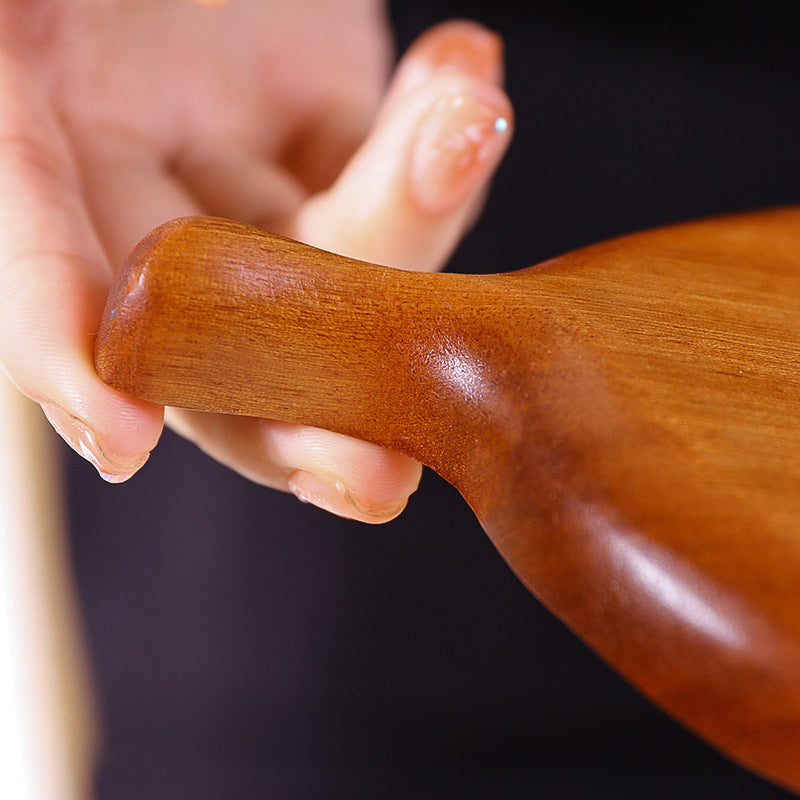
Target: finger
{"points": [[424, 170], [54, 277], [411, 192], [388, 219], [347, 477]]}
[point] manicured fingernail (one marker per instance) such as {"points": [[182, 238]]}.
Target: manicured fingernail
{"points": [[80, 437], [332, 495], [460, 140]]}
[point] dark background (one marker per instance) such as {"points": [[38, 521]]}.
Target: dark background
{"points": [[246, 646]]}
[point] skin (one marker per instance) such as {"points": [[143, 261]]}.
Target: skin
{"points": [[116, 115]]}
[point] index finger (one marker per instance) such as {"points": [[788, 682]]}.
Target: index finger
{"points": [[54, 278]]}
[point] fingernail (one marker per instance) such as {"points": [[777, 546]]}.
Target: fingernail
{"points": [[332, 495], [80, 437], [460, 140]]}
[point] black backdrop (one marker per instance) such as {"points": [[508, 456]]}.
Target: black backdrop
{"points": [[247, 646]]}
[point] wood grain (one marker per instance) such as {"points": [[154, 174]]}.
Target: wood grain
{"points": [[624, 421]]}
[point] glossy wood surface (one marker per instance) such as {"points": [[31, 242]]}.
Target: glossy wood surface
{"points": [[624, 421]]}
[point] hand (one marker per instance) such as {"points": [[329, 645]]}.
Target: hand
{"points": [[116, 116]]}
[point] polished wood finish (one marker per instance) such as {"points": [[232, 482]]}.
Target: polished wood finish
{"points": [[624, 421]]}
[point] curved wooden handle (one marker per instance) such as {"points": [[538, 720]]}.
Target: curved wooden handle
{"points": [[623, 420], [217, 316]]}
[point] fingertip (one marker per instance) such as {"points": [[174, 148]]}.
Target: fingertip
{"points": [[116, 435], [460, 45], [348, 477], [361, 481], [333, 495], [466, 46]]}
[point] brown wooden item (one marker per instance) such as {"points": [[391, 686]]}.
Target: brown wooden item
{"points": [[624, 421]]}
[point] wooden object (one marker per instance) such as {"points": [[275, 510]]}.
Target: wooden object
{"points": [[48, 728], [624, 421]]}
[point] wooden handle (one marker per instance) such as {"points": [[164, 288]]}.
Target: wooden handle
{"points": [[623, 420], [213, 315]]}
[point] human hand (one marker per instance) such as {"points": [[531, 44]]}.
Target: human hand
{"points": [[117, 116]]}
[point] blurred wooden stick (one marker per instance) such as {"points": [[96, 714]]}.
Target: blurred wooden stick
{"points": [[47, 728]]}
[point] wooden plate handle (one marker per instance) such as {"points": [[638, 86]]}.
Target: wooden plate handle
{"points": [[237, 320]]}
